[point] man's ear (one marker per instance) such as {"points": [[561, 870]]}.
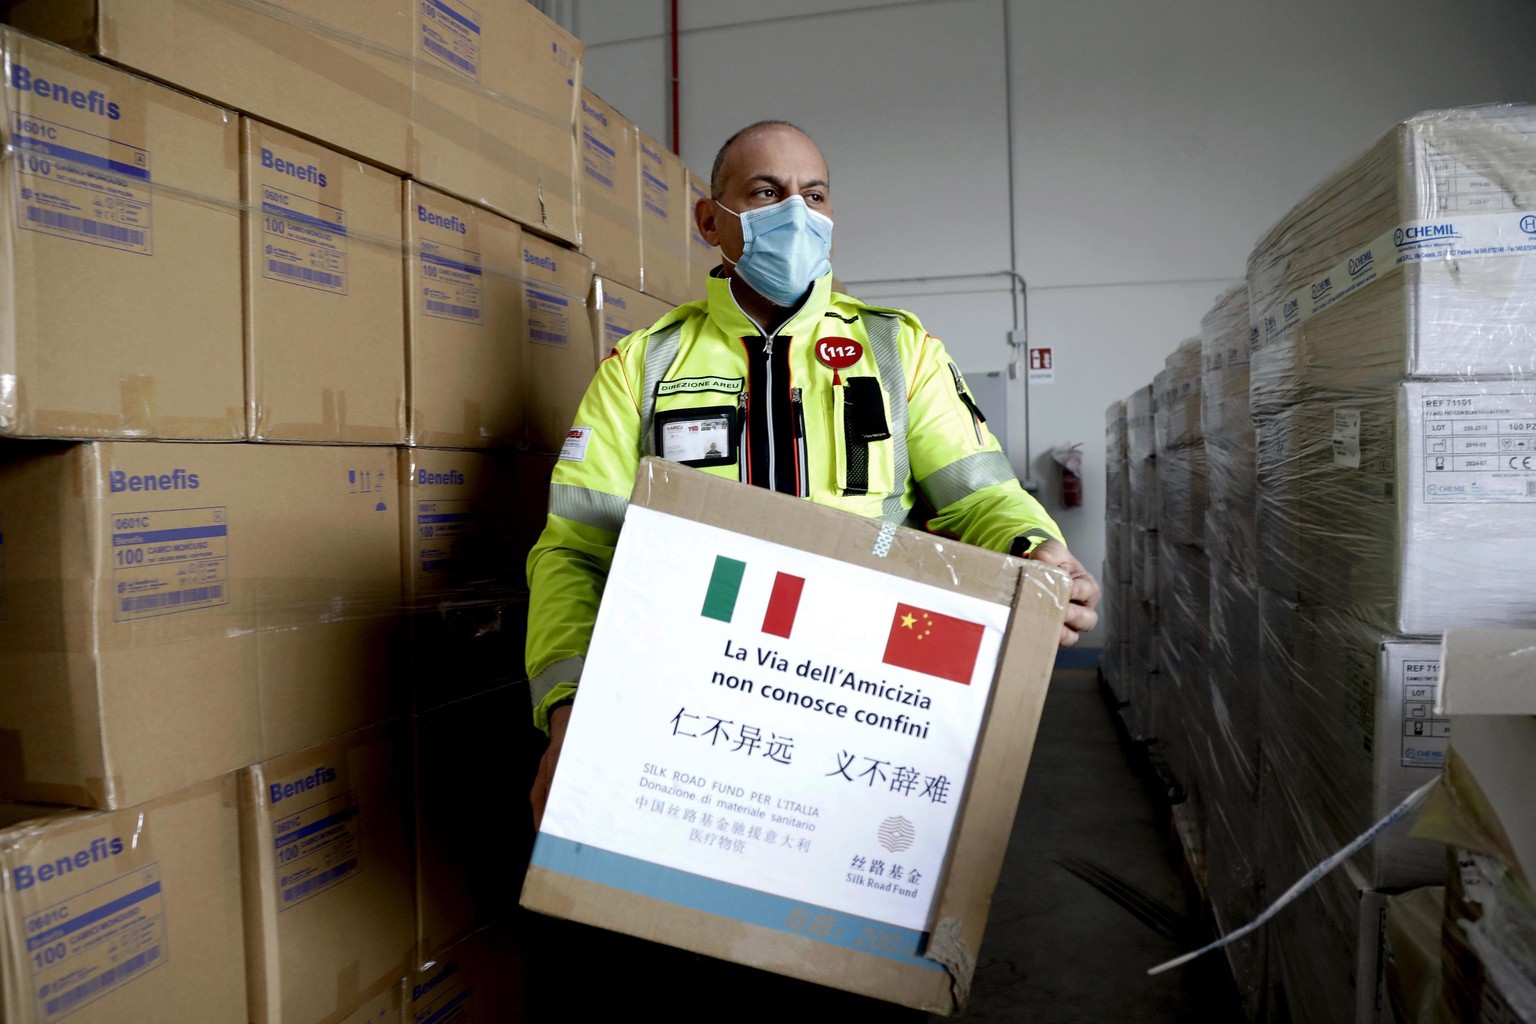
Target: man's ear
{"points": [[704, 216]]}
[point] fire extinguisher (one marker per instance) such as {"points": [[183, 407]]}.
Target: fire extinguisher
{"points": [[1069, 468]]}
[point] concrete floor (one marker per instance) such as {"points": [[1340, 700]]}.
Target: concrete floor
{"points": [[1057, 949]]}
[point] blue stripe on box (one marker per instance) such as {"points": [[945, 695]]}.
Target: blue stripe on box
{"points": [[734, 902]]}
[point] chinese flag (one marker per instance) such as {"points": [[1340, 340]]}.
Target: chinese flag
{"points": [[934, 644]]}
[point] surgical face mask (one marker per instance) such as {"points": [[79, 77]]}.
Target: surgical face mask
{"points": [[784, 248]]}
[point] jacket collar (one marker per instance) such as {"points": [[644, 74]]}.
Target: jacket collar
{"points": [[729, 317]]}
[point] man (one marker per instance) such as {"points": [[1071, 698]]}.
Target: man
{"points": [[798, 388]]}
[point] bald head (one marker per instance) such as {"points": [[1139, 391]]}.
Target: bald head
{"points": [[725, 158]]}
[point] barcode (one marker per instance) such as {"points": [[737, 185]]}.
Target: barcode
{"points": [[449, 56], [80, 993], [433, 306], [1530, 488], [548, 336], [143, 602], [309, 885], [79, 225], [305, 274]]}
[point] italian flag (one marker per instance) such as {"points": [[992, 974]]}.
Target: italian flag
{"points": [[725, 587]]}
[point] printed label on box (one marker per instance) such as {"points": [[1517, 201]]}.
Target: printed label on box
{"points": [[549, 315], [785, 722], [450, 33], [96, 942], [169, 560], [654, 192], [1425, 737], [316, 846], [450, 282], [304, 242], [1346, 438], [597, 158], [72, 184], [444, 529], [1479, 448]]}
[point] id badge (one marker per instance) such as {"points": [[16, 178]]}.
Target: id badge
{"points": [[698, 437]]}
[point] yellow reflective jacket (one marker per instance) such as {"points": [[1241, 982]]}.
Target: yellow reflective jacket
{"points": [[849, 405]]}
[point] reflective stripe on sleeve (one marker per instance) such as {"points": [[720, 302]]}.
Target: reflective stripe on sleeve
{"points": [[660, 351], [588, 507], [882, 331], [566, 670], [966, 476]]}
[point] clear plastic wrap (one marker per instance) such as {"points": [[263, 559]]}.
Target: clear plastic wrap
{"points": [[1182, 706], [1226, 420], [1413, 509], [1117, 480], [1227, 762], [1415, 259], [1181, 461], [1350, 731], [1141, 452], [1178, 413]]}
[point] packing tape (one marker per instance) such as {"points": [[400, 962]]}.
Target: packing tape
{"points": [[1308, 880], [948, 947]]}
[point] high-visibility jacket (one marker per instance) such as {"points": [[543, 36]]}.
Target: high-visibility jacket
{"points": [[848, 405]]}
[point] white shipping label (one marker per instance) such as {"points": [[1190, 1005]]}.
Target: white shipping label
{"points": [[763, 716], [451, 282], [304, 241], [169, 560], [1346, 438], [316, 840], [1479, 448], [96, 941], [1425, 734], [450, 34], [445, 533], [90, 188], [549, 315]]}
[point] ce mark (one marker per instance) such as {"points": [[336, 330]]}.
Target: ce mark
{"points": [[1522, 462]]}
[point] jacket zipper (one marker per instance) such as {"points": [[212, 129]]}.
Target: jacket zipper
{"points": [[741, 437], [802, 463], [767, 385], [977, 419]]}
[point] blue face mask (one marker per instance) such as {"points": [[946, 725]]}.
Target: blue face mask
{"points": [[784, 249]]}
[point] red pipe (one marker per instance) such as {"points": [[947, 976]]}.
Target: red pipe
{"points": [[677, 130]]}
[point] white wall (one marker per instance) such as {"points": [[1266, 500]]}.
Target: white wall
{"points": [[1152, 145]]}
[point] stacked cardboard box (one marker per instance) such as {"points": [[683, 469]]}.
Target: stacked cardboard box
{"points": [[1186, 723], [107, 914], [176, 619], [1141, 602], [1392, 392], [1230, 756], [121, 282], [1117, 575], [666, 223]]}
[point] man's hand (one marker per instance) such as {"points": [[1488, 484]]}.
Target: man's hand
{"points": [[558, 719], [1081, 614]]}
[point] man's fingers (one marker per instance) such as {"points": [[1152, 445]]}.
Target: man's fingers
{"points": [[1081, 618], [1085, 590]]}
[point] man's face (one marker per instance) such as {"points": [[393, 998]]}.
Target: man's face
{"points": [[765, 168]]}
